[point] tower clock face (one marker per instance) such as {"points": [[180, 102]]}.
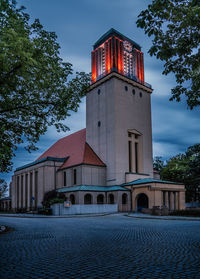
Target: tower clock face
{"points": [[127, 46]]}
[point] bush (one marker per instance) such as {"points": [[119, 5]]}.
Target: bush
{"points": [[52, 195], [56, 200]]}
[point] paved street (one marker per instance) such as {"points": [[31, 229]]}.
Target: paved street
{"points": [[99, 247]]}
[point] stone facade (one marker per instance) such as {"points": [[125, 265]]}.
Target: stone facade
{"points": [[115, 149], [171, 196], [121, 198], [118, 113], [29, 184]]}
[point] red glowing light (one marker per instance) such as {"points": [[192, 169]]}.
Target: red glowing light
{"points": [[117, 55], [94, 74]]}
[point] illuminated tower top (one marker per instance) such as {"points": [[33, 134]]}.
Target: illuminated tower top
{"points": [[114, 52]]}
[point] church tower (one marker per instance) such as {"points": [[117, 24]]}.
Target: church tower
{"points": [[118, 109]]}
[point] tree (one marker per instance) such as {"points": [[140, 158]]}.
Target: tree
{"points": [[193, 185], [36, 89], [175, 25], [176, 169], [158, 163], [3, 188]]}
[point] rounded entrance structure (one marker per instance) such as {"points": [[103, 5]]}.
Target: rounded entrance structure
{"points": [[142, 201]]}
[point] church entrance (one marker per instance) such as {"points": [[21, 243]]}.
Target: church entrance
{"points": [[142, 202]]}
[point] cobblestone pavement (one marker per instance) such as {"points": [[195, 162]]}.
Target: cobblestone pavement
{"points": [[112, 246]]}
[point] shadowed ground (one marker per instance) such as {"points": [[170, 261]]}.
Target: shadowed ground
{"points": [[112, 246]]}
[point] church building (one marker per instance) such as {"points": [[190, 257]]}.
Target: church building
{"points": [[109, 162]]}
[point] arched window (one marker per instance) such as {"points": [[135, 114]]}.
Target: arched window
{"points": [[124, 198], [87, 199], [72, 199], [100, 199], [111, 199]]}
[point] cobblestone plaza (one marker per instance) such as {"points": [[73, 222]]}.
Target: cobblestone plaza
{"points": [[114, 246]]}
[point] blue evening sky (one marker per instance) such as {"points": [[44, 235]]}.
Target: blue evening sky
{"points": [[78, 25]]}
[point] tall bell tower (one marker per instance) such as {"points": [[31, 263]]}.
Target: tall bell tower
{"points": [[118, 109]]}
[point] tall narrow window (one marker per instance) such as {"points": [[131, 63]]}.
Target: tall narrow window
{"points": [[18, 192], [36, 188], [26, 190], [22, 192], [74, 176], [64, 178], [31, 192], [136, 157], [130, 155]]}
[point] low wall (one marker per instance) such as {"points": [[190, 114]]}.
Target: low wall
{"points": [[59, 209]]}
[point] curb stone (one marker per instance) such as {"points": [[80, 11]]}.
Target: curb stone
{"points": [[65, 216], [163, 218]]}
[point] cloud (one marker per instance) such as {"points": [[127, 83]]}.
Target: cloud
{"points": [[79, 24], [161, 85], [174, 126], [166, 150]]}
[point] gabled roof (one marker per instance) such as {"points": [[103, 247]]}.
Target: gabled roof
{"points": [[75, 148], [92, 188], [149, 180]]}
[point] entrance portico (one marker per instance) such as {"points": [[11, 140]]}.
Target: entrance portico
{"points": [[147, 193]]}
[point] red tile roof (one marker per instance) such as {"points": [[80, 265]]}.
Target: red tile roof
{"points": [[76, 148]]}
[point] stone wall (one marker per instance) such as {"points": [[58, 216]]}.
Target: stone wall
{"points": [[59, 209]]}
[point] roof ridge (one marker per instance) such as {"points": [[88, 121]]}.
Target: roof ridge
{"points": [[71, 134], [61, 141]]}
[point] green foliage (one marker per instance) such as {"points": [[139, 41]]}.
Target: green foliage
{"points": [[3, 188], [36, 90], [52, 197], [176, 169], [158, 163], [185, 168], [56, 200], [174, 26]]}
